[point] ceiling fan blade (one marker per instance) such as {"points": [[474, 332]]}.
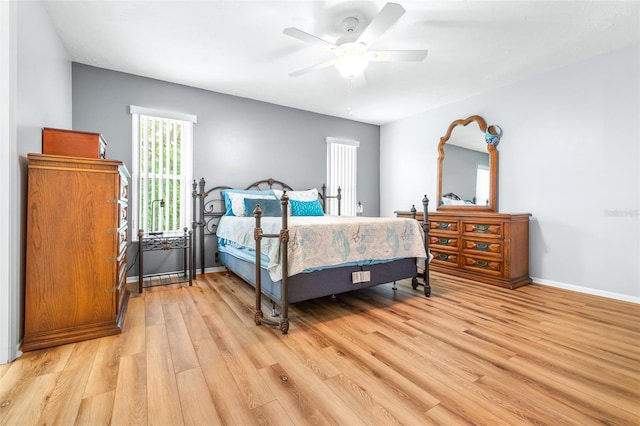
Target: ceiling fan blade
{"points": [[313, 68], [308, 38], [387, 16], [397, 55]]}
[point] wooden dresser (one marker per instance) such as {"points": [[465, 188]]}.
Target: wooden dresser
{"points": [[76, 249], [488, 247]]}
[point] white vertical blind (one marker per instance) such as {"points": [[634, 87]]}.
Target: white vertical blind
{"points": [[342, 171]]}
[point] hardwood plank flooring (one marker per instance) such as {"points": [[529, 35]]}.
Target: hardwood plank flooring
{"points": [[469, 354]]}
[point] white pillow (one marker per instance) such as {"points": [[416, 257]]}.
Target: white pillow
{"points": [[450, 202], [237, 201], [308, 195]]}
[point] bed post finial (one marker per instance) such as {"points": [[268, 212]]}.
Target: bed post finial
{"points": [[324, 197], [425, 227], [413, 211]]}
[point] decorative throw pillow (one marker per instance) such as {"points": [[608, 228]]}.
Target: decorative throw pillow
{"points": [[234, 199], [269, 207], [306, 208]]}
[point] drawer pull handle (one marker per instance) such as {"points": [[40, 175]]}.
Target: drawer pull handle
{"points": [[443, 241], [444, 225], [442, 256], [483, 229], [482, 263], [482, 246]]}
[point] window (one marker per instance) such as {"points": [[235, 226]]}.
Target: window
{"points": [[342, 171], [162, 170], [482, 185]]}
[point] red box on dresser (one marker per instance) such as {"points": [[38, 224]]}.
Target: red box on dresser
{"points": [[73, 143]]}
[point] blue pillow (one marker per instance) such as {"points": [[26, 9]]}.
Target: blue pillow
{"points": [[227, 199], [306, 208], [269, 207]]}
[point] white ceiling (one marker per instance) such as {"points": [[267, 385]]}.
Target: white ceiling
{"points": [[238, 48]]}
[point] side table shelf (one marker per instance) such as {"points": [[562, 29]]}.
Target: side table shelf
{"points": [[174, 240]]}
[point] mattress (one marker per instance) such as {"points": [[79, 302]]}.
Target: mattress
{"points": [[324, 242]]}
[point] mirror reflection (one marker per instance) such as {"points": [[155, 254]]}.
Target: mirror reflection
{"points": [[465, 177], [467, 167]]}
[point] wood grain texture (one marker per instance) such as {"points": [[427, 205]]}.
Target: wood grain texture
{"points": [[472, 353], [74, 274]]}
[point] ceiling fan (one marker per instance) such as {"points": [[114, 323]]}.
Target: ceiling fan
{"points": [[352, 50]]}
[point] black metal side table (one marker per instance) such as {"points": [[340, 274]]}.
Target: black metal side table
{"points": [[165, 241]]}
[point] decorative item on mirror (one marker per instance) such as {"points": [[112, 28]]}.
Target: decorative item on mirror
{"points": [[493, 134]]}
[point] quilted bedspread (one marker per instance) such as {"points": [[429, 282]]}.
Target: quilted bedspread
{"points": [[319, 242]]}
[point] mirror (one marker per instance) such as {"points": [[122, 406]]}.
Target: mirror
{"points": [[467, 167]]}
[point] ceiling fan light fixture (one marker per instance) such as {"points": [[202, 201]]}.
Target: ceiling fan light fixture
{"points": [[352, 65], [351, 50]]}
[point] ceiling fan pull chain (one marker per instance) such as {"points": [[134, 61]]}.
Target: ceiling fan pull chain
{"points": [[349, 96]]}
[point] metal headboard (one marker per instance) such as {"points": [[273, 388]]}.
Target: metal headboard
{"points": [[209, 207]]}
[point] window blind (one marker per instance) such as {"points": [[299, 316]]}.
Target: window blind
{"points": [[342, 171]]}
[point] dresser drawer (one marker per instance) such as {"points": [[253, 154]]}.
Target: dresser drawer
{"points": [[123, 214], [122, 273], [122, 240], [479, 228], [124, 191], [485, 266], [442, 226], [493, 247], [445, 258], [436, 241], [122, 282]]}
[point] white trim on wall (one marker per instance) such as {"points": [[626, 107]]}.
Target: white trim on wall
{"points": [[134, 109], [330, 139], [8, 170], [586, 290]]}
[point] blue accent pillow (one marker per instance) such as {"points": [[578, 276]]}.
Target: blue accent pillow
{"points": [[227, 200], [306, 208], [269, 207]]}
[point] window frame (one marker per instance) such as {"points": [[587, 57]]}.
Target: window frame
{"points": [[186, 163]]}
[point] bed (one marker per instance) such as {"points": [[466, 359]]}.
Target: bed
{"points": [[282, 243]]}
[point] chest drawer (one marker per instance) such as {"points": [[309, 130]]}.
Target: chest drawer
{"points": [[124, 190], [443, 241], [122, 240], [477, 228], [493, 247], [445, 258], [444, 226], [485, 266], [123, 214]]}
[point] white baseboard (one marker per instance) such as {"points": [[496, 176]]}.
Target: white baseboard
{"points": [[587, 290], [215, 269], [579, 289], [134, 278]]}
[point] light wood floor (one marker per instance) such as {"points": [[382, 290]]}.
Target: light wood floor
{"points": [[469, 354]]}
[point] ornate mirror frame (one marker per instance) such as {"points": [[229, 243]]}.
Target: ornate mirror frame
{"points": [[493, 168]]}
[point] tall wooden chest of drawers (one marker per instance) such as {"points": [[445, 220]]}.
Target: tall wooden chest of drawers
{"points": [[76, 249], [492, 248]]}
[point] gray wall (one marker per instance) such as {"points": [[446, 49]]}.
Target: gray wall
{"points": [[569, 155], [237, 141]]}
